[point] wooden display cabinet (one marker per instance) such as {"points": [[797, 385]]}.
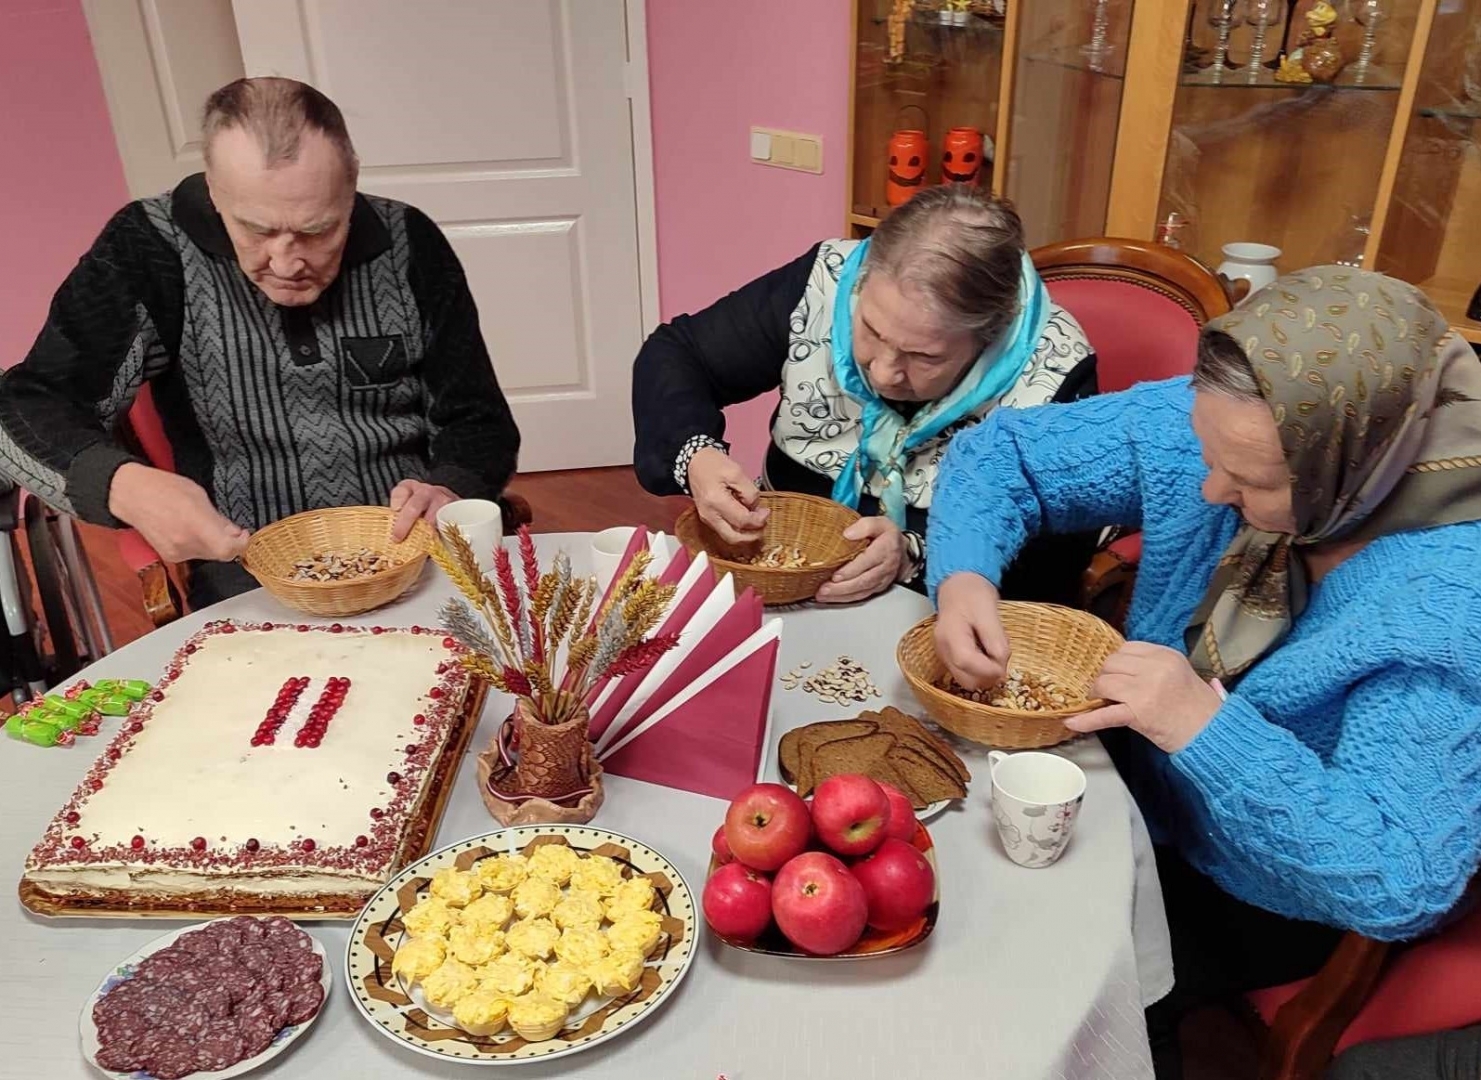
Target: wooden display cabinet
{"points": [[1110, 117]]}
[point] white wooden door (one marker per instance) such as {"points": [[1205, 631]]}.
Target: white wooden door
{"points": [[509, 122]]}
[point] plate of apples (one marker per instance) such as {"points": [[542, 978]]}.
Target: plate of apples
{"points": [[847, 874]]}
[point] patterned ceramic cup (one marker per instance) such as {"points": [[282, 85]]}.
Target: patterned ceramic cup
{"points": [[1035, 800]]}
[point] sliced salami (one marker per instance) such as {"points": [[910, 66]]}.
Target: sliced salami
{"points": [[216, 999], [250, 930], [173, 1059], [219, 1048], [164, 962], [277, 926], [119, 1056], [257, 1034], [257, 959], [300, 967], [305, 1002]]}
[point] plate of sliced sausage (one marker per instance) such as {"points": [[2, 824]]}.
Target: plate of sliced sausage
{"points": [[214, 1000]]}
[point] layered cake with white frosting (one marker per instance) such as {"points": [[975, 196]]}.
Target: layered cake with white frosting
{"points": [[273, 768]]}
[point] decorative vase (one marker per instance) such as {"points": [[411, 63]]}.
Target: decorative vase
{"points": [[907, 168], [1322, 59], [534, 772], [961, 156], [1254, 263]]}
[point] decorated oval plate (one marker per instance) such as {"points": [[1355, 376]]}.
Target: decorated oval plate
{"points": [[874, 942], [399, 1011], [124, 971]]}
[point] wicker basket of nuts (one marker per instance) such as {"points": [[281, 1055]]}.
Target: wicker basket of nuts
{"points": [[1057, 653], [801, 546], [337, 562]]}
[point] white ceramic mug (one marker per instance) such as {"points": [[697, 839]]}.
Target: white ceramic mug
{"points": [[607, 548], [1253, 262], [482, 524], [1035, 800]]}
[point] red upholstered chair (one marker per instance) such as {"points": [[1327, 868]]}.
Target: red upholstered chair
{"points": [[1363, 993], [144, 433], [1142, 306]]}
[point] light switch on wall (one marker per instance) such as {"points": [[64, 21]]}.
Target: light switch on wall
{"points": [[787, 150]]}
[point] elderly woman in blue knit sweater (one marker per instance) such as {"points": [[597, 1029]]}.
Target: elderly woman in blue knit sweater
{"points": [[1311, 544]]}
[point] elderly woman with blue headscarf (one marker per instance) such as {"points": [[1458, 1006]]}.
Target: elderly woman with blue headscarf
{"points": [[882, 351]]}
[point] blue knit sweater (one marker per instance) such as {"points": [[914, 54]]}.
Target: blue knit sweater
{"points": [[1341, 782]]}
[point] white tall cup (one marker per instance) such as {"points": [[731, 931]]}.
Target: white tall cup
{"points": [[607, 548], [1035, 801], [482, 524]]}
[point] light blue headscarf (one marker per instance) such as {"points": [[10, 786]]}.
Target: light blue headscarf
{"points": [[887, 438]]}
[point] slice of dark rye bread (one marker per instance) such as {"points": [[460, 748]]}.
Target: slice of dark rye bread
{"points": [[869, 755], [905, 725], [798, 745], [924, 775]]}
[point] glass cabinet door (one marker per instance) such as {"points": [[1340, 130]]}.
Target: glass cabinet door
{"points": [[1285, 154], [1433, 226], [1066, 106], [926, 68]]}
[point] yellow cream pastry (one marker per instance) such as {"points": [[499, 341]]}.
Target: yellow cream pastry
{"points": [[565, 982], [534, 898], [490, 909], [418, 958], [582, 947], [475, 944], [537, 1017], [532, 937], [483, 1012], [510, 975], [553, 863], [449, 982], [598, 874], [457, 888], [617, 973], [634, 894], [578, 909], [640, 930], [429, 918], [501, 873]]}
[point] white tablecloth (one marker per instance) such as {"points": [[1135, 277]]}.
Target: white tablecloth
{"points": [[1030, 973]]}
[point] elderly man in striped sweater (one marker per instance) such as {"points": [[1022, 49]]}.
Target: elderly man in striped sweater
{"points": [[307, 346]]}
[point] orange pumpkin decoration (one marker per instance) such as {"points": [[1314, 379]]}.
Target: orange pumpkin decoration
{"points": [[907, 169], [961, 156]]}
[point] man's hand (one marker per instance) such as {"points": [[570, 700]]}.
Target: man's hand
{"points": [[725, 497], [174, 514], [879, 566], [412, 499], [1157, 693], [970, 638]]}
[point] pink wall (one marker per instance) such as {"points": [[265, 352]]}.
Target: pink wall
{"points": [[60, 176], [715, 70]]}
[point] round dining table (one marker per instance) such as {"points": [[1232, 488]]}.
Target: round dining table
{"points": [[1028, 974]]}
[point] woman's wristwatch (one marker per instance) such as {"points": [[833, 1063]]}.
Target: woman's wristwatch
{"points": [[915, 552]]}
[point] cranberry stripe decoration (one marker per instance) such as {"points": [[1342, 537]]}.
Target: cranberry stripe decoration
{"points": [[312, 732], [288, 696]]}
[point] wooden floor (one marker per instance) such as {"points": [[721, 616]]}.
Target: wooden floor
{"points": [[584, 500]]}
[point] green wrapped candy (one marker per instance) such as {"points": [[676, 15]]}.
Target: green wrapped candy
{"points": [[40, 732], [14, 724], [90, 698], [60, 706], [114, 705], [137, 689]]}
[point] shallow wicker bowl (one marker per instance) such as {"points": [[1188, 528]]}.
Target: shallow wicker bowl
{"points": [[1056, 643], [812, 525], [272, 551]]}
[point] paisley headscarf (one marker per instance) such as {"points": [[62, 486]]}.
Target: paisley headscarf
{"points": [[1378, 404]]}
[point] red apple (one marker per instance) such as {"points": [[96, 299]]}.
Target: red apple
{"points": [[720, 847], [902, 813], [767, 825], [737, 902], [818, 904], [851, 813], [898, 884]]}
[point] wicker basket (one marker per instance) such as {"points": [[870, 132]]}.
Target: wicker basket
{"points": [[272, 551], [1057, 643], [812, 525]]}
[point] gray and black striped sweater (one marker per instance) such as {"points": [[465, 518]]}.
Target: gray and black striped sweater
{"points": [[272, 410]]}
